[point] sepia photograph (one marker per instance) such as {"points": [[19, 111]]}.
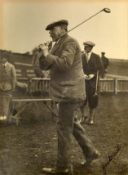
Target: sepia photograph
{"points": [[63, 87]]}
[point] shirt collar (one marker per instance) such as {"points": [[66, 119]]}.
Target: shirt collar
{"points": [[88, 54]]}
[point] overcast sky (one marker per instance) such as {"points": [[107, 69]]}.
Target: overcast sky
{"points": [[24, 24]]}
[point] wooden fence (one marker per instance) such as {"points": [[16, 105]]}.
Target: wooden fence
{"points": [[114, 85], [111, 84], [106, 85]]}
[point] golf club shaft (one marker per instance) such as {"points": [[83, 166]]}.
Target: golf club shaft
{"points": [[106, 10], [85, 21]]}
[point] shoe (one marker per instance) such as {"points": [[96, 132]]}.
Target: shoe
{"points": [[90, 159], [66, 171], [90, 122]]}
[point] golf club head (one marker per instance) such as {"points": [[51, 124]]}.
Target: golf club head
{"points": [[107, 10]]}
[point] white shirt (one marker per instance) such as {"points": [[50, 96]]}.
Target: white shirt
{"points": [[88, 55], [53, 44]]}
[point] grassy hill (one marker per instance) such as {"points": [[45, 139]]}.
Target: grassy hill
{"points": [[118, 67]]}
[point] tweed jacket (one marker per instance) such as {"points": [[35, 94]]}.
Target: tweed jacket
{"points": [[65, 64], [7, 77]]}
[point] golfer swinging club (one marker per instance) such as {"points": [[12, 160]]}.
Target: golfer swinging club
{"points": [[67, 87]]}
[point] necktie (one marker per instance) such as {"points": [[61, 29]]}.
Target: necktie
{"points": [[87, 57]]}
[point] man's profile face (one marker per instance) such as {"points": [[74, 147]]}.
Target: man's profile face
{"points": [[88, 48], [56, 33], [3, 60]]}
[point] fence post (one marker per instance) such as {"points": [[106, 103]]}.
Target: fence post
{"points": [[115, 86]]}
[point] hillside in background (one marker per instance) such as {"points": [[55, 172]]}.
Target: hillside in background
{"points": [[118, 67], [16, 57]]}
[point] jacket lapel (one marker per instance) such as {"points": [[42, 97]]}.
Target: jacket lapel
{"points": [[55, 47], [85, 59], [90, 58]]}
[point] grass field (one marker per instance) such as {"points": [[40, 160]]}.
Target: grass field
{"points": [[25, 149]]}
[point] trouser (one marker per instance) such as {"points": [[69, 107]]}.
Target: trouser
{"points": [[91, 98], [5, 99], [67, 127]]}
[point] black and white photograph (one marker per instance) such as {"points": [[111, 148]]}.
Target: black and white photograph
{"points": [[63, 87]]}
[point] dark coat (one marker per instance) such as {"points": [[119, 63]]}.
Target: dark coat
{"points": [[91, 67], [105, 61], [65, 64]]}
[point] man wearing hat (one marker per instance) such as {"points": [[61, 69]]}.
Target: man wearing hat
{"points": [[92, 68], [105, 62], [7, 86], [67, 87]]}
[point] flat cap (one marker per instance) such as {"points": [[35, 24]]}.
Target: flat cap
{"points": [[89, 43], [57, 23]]}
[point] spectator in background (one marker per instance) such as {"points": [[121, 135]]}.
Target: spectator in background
{"points": [[105, 61], [35, 64], [7, 86], [92, 68]]}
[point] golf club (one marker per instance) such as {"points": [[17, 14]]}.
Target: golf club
{"points": [[106, 10]]}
